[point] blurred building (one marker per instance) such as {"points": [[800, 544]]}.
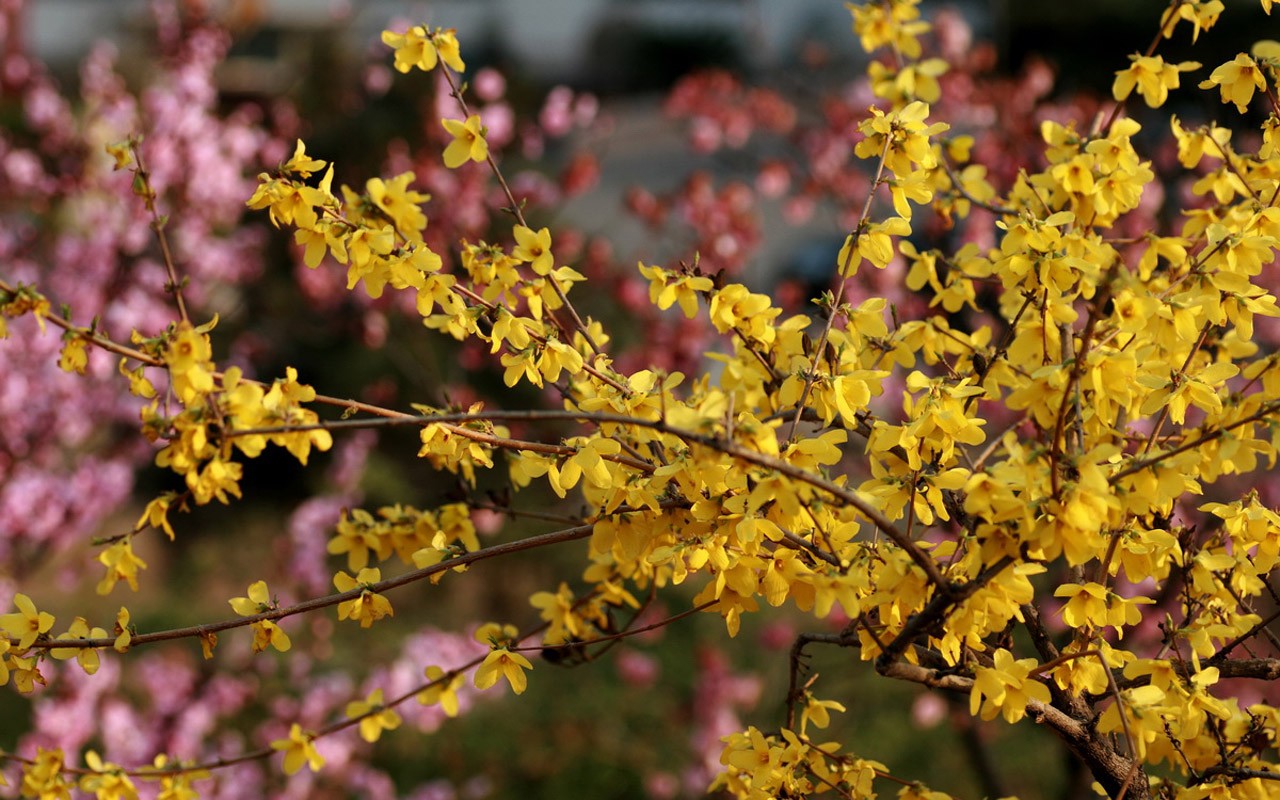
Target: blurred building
{"points": [[605, 44]]}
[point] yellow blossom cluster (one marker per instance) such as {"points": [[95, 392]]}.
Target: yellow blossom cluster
{"points": [[1036, 459]]}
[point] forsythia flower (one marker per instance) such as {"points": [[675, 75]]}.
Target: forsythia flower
{"points": [[1152, 77], [818, 712], [373, 724], [503, 662], [190, 366], [177, 786], [124, 634], [468, 141], [419, 48], [370, 606], [1236, 81], [1006, 688], [1202, 14], [75, 353], [87, 657], [442, 691], [43, 777], [534, 248], [120, 563], [300, 163], [265, 632], [26, 624], [298, 750], [156, 514], [666, 288], [107, 780]]}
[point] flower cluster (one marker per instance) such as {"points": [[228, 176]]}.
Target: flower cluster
{"points": [[1018, 456]]}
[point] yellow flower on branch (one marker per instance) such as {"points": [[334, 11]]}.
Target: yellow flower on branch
{"points": [[587, 464], [123, 631], [26, 624], [557, 609], [468, 141], [106, 780], [917, 81], [419, 48], [889, 24], [534, 248], [1152, 77], [400, 203], [87, 657], [872, 244], [370, 606], [1006, 688], [189, 358], [1202, 14], [266, 633], [666, 288], [298, 749], [818, 712], [443, 691], [156, 514], [505, 664], [121, 563], [139, 384], [1237, 80], [377, 718], [43, 777], [75, 353], [300, 163]]}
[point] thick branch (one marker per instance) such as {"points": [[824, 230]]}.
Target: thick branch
{"points": [[1109, 768]]}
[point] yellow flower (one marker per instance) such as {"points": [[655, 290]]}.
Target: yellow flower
{"points": [[818, 712], [1236, 81], [417, 47], [106, 780], [534, 248], [302, 164], [298, 750], [156, 514], [468, 141], [443, 691], [503, 663], [370, 606], [75, 353], [43, 777], [917, 81], [121, 153], [376, 718], [400, 203], [123, 632], [666, 288], [872, 244], [446, 43], [87, 657], [120, 563], [216, 479], [189, 357], [558, 611], [1202, 14], [1006, 688], [1087, 606], [176, 786], [266, 633], [1152, 77]]}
